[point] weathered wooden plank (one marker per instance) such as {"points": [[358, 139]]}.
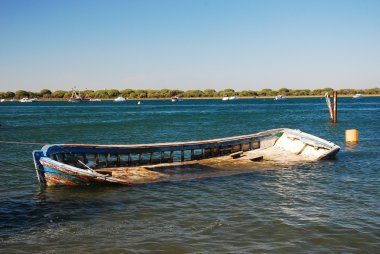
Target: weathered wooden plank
{"points": [[236, 155], [162, 158], [107, 159], [97, 158], [256, 158], [335, 106], [118, 161], [140, 157], [129, 159]]}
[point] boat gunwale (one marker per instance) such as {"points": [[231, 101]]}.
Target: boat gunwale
{"points": [[188, 145], [46, 148]]}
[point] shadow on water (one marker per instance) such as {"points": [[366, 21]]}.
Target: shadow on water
{"points": [[351, 147], [50, 206]]}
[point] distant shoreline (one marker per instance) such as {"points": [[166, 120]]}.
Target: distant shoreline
{"points": [[211, 98], [163, 94]]}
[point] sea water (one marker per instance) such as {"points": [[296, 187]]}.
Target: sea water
{"points": [[328, 206]]}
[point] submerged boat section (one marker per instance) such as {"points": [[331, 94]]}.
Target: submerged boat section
{"points": [[85, 164]]}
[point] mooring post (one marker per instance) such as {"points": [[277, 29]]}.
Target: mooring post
{"points": [[328, 101], [333, 110], [335, 106]]}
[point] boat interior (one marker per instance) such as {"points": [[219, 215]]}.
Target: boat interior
{"points": [[142, 162]]}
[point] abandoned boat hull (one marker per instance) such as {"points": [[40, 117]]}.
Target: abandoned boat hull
{"points": [[80, 164]]}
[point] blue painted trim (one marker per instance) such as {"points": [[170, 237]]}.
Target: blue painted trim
{"points": [[52, 172]]}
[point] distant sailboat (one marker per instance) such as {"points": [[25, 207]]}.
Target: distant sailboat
{"points": [[76, 97]]}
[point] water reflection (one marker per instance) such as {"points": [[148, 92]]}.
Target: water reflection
{"points": [[351, 146], [297, 194]]}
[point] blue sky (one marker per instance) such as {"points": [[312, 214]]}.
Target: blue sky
{"points": [[189, 44]]}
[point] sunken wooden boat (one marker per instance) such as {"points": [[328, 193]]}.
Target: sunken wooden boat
{"points": [[86, 164]]}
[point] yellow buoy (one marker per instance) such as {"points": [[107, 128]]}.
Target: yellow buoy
{"points": [[352, 135]]}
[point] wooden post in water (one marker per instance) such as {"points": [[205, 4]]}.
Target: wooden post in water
{"points": [[335, 106], [328, 101], [333, 109]]}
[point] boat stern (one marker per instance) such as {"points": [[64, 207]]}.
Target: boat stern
{"points": [[307, 145]]}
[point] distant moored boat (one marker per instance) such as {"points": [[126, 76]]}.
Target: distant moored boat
{"points": [[176, 98], [28, 100], [357, 96], [119, 99], [231, 98], [279, 98]]}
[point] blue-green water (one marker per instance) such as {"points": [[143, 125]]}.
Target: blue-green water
{"points": [[329, 206]]}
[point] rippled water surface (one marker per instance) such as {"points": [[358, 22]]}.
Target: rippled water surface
{"points": [[329, 206]]}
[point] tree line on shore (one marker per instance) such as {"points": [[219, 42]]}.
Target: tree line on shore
{"points": [[167, 93]]}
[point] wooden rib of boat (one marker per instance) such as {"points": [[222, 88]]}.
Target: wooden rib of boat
{"points": [[85, 164]]}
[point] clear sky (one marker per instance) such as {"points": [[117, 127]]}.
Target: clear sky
{"points": [[189, 44]]}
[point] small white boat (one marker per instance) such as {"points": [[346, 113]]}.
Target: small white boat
{"points": [[279, 98], [28, 100], [95, 100], [119, 99], [2, 100], [176, 98], [357, 96], [231, 98]]}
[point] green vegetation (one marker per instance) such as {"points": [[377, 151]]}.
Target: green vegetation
{"points": [[167, 93]]}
